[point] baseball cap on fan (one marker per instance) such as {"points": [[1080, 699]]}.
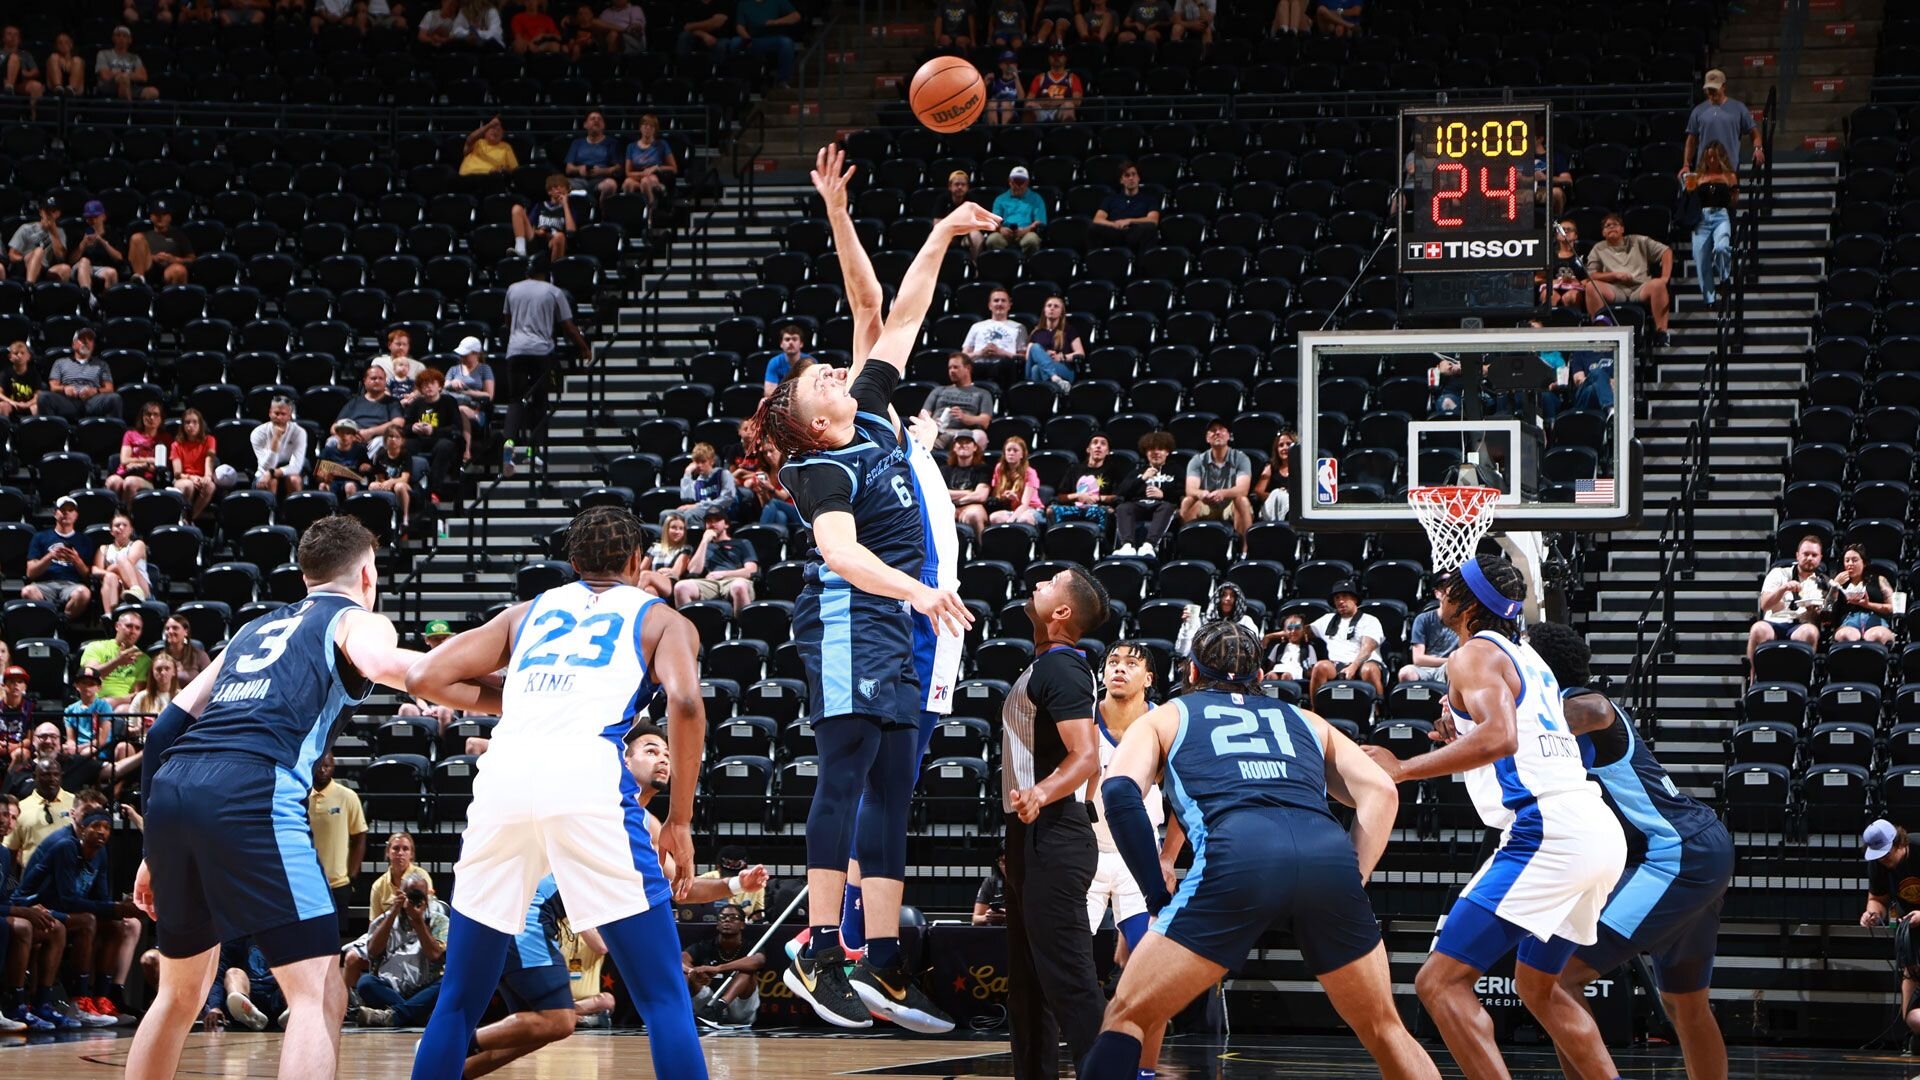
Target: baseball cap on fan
{"points": [[1715, 80], [1879, 839], [1019, 173]]}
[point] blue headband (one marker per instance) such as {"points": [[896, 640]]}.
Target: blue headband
{"points": [[1225, 677], [1488, 595]]}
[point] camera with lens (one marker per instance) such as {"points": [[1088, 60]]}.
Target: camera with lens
{"points": [[417, 896]]}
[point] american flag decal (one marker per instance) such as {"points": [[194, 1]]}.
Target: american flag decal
{"points": [[1594, 492]]}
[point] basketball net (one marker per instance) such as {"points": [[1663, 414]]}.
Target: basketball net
{"points": [[1455, 519]]}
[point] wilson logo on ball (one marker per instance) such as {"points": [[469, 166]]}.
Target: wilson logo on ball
{"points": [[956, 111]]}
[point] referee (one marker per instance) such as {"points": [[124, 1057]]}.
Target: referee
{"points": [[1050, 752]]}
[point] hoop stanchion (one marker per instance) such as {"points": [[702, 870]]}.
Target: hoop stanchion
{"points": [[1455, 519]]}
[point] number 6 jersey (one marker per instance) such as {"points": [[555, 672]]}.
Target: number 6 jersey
{"points": [[1242, 752]]}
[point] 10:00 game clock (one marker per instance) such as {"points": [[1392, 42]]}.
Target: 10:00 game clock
{"points": [[1474, 188]]}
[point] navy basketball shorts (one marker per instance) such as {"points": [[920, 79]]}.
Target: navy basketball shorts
{"points": [[231, 855], [858, 652], [1294, 869], [1670, 909], [538, 988]]}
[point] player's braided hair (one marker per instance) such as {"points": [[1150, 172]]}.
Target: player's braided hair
{"points": [[778, 421], [601, 539], [1505, 578], [1226, 655]]}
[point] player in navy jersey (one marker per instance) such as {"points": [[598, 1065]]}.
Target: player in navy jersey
{"points": [[227, 771], [846, 468], [1679, 864], [1249, 778]]}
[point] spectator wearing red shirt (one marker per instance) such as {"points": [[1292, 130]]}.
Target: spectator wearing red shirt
{"points": [[1055, 93], [535, 31], [192, 460]]}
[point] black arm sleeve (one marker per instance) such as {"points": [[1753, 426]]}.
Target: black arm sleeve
{"points": [[819, 487], [873, 388]]}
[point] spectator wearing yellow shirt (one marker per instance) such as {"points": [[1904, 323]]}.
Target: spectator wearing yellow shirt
{"points": [[399, 861], [339, 832], [45, 811], [119, 661], [488, 151]]}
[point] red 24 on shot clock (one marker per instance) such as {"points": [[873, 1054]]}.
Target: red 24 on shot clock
{"points": [[1475, 188]]}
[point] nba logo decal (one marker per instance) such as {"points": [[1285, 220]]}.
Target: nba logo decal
{"points": [[1326, 480]]}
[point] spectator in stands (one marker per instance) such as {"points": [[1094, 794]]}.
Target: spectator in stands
{"points": [[400, 864], [1792, 600], [746, 884], [1567, 286], [1292, 651], [37, 935], [1289, 17], [347, 14], [766, 26], [1089, 491], [160, 246], [1893, 885], [957, 188], [996, 338], [401, 368], [1150, 492], [723, 972], [706, 26], [1861, 599], [955, 27], [1014, 494], [1056, 93], [119, 71], [705, 488], [720, 567], [66, 71], [990, 903], [1146, 20], [393, 472], [436, 633], [551, 222], [119, 660], [439, 433], [139, 462], [1006, 23], [1716, 188], [88, 718], [1097, 23], [376, 410], [121, 564], [20, 392], [593, 161], [79, 385], [577, 29], [536, 310], [960, 408], [667, 558], [18, 72], [1004, 91], [100, 255], [176, 642], [650, 166], [623, 27], [1552, 172], [60, 562], [1055, 349], [1053, 21], [343, 465], [280, 450], [1022, 213], [1723, 120], [146, 704], [1274, 489], [487, 150], [1194, 18], [405, 948], [16, 718], [68, 873], [759, 493], [1229, 605], [437, 26], [534, 31], [1340, 18], [471, 382], [39, 246], [1433, 641], [1352, 642], [192, 461], [1629, 269], [1129, 216], [966, 474], [1219, 482], [780, 366], [46, 809]]}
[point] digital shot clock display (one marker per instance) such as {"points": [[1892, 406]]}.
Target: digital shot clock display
{"points": [[1474, 188]]}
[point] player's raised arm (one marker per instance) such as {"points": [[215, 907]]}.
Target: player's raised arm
{"points": [[902, 329], [1135, 767], [458, 673], [830, 176], [837, 537], [673, 647], [1356, 781]]}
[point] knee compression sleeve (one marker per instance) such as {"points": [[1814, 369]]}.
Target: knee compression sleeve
{"points": [[881, 840], [848, 745]]}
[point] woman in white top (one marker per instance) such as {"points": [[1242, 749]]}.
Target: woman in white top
{"points": [[400, 366], [122, 565], [279, 450], [667, 560]]}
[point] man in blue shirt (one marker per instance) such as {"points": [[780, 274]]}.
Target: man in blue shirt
{"points": [[1129, 216], [68, 876], [1021, 211], [793, 344], [60, 562], [593, 159], [764, 27], [1720, 119]]}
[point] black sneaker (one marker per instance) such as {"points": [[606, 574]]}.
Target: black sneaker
{"points": [[822, 983], [1662, 339], [890, 995], [713, 1013]]}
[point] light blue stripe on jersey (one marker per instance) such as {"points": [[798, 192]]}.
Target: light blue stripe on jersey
{"points": [[836, 651], [1636, 897], [338, 699], [532, 945], [1192, 820], [293, 836]]}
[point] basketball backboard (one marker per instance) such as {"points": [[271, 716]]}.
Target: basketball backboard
{"points": [[1385, 410]]}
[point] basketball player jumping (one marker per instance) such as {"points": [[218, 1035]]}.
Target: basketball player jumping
{"points": [[846, 468], [552, 794], [227, 770], [1560, 851], [1249, 777]]}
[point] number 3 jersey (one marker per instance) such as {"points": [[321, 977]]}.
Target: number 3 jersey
{"points": [[1242, 752], [576, 679], [281, 692]]}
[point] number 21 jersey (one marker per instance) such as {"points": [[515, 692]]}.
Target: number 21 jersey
{"points": [[1243, 752]]}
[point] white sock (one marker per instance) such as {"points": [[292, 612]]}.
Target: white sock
{"points": [[520, 245]]}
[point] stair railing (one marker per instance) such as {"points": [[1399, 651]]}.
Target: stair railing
{"points": [[815, 59]]}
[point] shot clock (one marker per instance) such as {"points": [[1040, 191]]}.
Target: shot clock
{"points": [[1474, 188]]}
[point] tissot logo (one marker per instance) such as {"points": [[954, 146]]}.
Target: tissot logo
{"points": [[1473, 249], [1423, 251]]}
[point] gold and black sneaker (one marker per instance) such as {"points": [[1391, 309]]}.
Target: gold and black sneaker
{"points": [[890, 995], [822, 983]]}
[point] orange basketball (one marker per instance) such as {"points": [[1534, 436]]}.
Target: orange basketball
{"points": [[947, 94]]}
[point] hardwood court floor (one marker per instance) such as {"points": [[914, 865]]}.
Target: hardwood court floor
{"points": [[778, 1055]]}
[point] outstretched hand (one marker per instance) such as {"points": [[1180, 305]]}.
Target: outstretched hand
{"points": [[923, 430], [944, 607], [969, 217], [830, 176]]}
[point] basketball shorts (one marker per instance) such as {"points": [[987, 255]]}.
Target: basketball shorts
{"points": [[1113, 886], [231, 855], [1233, 893], [1550, 876], [936, 660], [598, 850], [540, 988], [1671, 911], [858, 650]]}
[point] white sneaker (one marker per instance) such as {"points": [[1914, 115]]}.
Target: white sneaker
{"points": [[245, 1013], [9, 1025], [284, 1013], [1147, 551], [1123, 551]]}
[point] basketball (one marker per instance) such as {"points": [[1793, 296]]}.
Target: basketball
{"points": [[947, 94]]}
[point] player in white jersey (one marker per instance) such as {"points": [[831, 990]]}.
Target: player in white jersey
{"points": [[1561, 848], [552, 794]]}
